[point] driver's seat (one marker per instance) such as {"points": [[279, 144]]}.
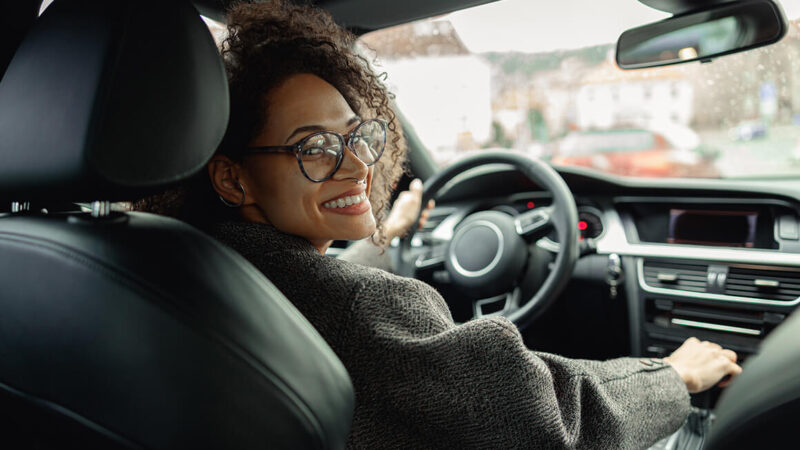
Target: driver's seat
{"points": [[126, 330]]}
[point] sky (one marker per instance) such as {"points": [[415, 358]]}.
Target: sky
{"points": [[545, 25]]}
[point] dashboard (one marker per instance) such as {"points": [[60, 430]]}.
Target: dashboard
{"points": [[719, 260]]}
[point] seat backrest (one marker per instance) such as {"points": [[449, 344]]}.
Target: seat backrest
{"points": [[761, 407], [16, 18], [130, 330]]}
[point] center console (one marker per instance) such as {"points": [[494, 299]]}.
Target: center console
{"points": [[734, 305], [726, 272]]}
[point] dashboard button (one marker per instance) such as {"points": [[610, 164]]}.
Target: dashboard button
{"points": [[787, 228]]}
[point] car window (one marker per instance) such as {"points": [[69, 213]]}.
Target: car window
{"points": [[540, 78]]}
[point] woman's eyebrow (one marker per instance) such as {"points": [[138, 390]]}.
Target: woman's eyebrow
{"points": [[303, 130], [306, 128]]}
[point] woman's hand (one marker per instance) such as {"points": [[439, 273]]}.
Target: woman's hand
{"points": [[703, 364], [405, 210]]}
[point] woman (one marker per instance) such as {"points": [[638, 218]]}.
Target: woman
{"points": [[311, 150]]}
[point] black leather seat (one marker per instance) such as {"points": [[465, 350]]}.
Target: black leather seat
{"points": [[16, 18], [129, 330], [761, 407]]}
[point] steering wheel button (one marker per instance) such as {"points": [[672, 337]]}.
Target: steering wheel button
{"points": [[441, 276]]}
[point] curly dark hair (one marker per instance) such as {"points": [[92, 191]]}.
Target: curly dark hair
{"points": [[266, 44]]}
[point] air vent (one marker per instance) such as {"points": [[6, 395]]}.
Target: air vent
{"points": [[763, 283], [674, 275]]}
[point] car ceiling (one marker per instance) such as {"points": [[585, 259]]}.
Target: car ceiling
{"points": [[362, 16]]}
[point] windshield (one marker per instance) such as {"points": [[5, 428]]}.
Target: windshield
{"points": [[540, 78]]}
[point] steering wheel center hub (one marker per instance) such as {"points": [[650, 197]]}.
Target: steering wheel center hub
{"points": [[486, 255], [477, 248]]}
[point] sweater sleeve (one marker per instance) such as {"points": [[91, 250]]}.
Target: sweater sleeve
{"points": [[476, 385]]}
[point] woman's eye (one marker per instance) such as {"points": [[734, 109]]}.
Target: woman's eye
{"points": [[361, 140], [312, 152]]}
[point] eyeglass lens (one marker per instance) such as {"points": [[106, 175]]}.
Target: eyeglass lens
{"points": [[321, 152]]}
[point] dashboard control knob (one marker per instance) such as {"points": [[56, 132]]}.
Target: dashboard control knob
{"points": [[614, 275]]}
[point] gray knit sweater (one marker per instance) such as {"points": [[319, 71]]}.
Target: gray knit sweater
{"points": [[421, 381]]}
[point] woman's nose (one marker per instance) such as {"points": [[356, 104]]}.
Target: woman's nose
{"points": [[351, 166]]}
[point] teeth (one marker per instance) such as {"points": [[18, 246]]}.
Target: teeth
{"points": [[346, 201]]}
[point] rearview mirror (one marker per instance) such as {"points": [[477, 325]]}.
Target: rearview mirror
{"points": [[702, 35]]}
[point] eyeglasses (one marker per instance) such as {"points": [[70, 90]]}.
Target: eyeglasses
{"points": [[320, 154]]}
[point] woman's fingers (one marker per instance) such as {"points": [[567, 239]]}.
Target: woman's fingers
{"points": [[703, 364], [405, 210], [416, 186], [730, 354], [733, 371], [423, 218]]}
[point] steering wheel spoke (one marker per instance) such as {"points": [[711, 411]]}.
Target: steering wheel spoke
{"points": [[499, 305], [432, 258], [535, 223]]}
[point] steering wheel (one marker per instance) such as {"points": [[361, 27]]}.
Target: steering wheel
{"points": [[487, 255]]}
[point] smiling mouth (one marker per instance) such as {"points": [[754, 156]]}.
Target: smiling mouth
{"points": [[344, 202]]}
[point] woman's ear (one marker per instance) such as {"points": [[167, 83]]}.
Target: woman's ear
{"points": [[224, 175]]}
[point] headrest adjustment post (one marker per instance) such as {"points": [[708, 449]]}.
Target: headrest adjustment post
{"points": [[20, 206], [101, 208]]}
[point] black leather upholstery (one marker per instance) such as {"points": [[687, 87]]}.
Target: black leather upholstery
{"points": [[15, 19], [88, 97], [134, 330], [160, 337], [761, 407]]}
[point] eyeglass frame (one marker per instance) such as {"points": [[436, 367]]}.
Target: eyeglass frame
{"points": [[346, 141]]}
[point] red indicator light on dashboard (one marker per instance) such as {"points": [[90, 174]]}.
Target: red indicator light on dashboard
{"points": [[582, 225], [530, 205]]}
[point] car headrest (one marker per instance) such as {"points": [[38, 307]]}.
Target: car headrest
{"points": [[16, 19], [110, 100]]}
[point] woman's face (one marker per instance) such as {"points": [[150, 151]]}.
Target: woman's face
{"points": [[277, 192]]}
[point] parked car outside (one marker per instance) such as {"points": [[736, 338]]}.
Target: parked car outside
{"points": [[633, 152]]}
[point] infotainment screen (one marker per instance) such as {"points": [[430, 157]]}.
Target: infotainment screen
{"points": [[709, 227]]}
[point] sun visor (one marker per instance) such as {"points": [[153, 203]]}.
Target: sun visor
{"points": [[109, 100]]}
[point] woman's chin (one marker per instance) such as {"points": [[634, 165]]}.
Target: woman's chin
{"points": [[362, 233], [350, 227], [357, 231]]}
